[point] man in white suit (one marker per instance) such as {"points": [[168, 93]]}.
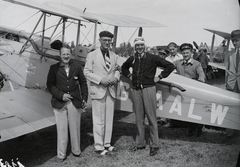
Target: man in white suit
{"points": [[100, 70]]}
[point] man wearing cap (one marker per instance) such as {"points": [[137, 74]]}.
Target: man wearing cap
{"points": [[143, 78], [232, 77], [100, 70], [190, 68]]}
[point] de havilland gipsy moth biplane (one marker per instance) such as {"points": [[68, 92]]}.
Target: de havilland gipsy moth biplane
{"points": [[26, 58], [218, 57]]}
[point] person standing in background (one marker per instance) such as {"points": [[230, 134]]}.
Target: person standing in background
{"points": [[203, 59], [174, 55], [190, 68], [232, 77]]}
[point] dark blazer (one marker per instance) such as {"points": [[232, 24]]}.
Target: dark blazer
{"points": [[58, 83]]}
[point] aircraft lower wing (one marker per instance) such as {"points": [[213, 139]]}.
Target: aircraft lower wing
{"points": [[188, 100], [23, 112], [217, 65]]}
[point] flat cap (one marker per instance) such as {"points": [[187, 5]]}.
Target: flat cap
{"points": [[235, 34], [106, 34], [186, 46]]}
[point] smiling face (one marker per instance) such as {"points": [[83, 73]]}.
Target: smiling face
{"points": [[65, 55], [172, 50], [187, 53], [140, 47]]}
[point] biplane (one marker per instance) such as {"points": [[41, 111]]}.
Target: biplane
{"points": [[219, 56], [26, 58]]}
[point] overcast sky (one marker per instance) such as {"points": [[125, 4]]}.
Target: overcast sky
{"points": [[185, 19]]}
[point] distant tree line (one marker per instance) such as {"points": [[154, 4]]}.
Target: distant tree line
{"points": [[124, 50]]}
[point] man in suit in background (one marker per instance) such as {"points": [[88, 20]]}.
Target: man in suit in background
{"points": [[232, 77], [100, 70], [64, 81]]}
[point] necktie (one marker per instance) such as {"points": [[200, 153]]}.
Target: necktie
{"points": [[107, 60]]}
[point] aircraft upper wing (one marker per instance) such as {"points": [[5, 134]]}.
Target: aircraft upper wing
{"points": [[220, 33], [78, 14], [59, 10], [123, 20], [24, 111], [110, 19]]}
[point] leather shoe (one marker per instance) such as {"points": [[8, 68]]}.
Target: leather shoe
{"points": [[75, 155], [153, 150], [135, 148]]}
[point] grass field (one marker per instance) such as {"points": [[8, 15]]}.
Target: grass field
{"points": [[211, 149]]}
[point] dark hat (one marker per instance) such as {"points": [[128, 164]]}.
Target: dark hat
{"points": [[186, 46], [105, 34], [235, 34]]}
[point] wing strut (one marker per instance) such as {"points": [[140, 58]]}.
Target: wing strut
{"points": [[95, 34], [211, 53], [115, 38], [63, 29], [43, 31], [25, 44], [56, 28], [78, 32]]}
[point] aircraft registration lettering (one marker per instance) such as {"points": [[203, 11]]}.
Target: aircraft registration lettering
{"points": [[190, 112], [218, 112], [176, 106]]}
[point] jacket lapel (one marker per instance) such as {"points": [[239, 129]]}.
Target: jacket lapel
{"points": [[102, 61]]}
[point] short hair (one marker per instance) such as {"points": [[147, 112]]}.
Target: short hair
{"points": [[172, 44], [67, 47]]}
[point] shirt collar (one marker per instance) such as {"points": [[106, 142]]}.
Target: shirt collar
{"points": [[63, 65]]}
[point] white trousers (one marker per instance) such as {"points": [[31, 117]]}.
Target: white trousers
{"points": [[68, 118], [102, 113]]}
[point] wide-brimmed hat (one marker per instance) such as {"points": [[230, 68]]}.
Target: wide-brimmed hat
{"points": [[235, 34]]}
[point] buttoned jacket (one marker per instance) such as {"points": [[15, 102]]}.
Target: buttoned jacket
{"points": [[95, 70], [58, 83], [192, 70]]}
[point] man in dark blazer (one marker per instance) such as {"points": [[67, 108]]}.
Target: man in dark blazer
{"points": [[68, 86]]}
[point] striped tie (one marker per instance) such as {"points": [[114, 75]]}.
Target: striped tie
{"points": [[107, 60]]}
